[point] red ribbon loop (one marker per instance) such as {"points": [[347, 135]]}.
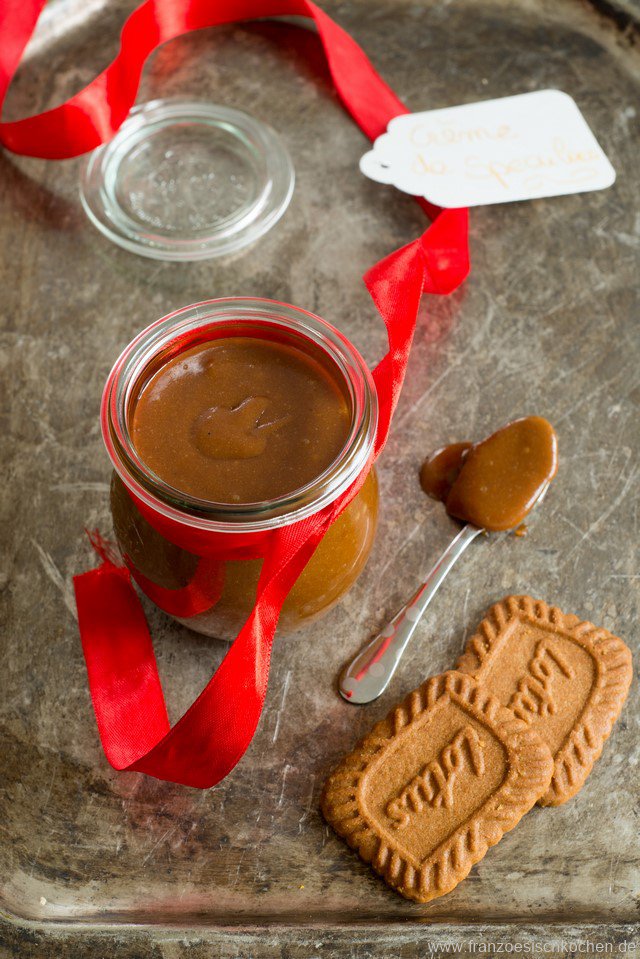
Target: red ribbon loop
{"points": [[129, 704]]}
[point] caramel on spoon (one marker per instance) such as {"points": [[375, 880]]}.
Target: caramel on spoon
{"points": [[495, 483], [492, 485]]}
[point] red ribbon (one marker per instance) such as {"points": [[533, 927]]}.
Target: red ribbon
{"points": [[129, 704]]}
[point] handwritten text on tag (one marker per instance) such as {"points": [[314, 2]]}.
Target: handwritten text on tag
{"points": [[515, 148]]}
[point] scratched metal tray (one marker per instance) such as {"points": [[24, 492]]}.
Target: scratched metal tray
{"points": [[92, 861]]}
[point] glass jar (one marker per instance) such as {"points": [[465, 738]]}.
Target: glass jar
{"points": [[211, 587]]}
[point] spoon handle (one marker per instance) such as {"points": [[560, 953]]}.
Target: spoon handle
{"points": [[369, 674]]}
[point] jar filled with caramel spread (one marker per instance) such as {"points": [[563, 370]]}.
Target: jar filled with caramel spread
{"points": [[225, 422]]}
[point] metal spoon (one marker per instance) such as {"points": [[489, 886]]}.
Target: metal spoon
{"points": [[368, 675]]}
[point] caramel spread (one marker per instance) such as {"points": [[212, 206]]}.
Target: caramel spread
{"points": [[240, 420], [440, 470], [494, 484], [243, 419]]}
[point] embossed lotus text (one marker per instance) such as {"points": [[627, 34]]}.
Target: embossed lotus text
{"points": [[534, 695], [434, 786]]}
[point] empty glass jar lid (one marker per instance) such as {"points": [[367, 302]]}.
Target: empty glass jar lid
{"points": [[187, 181]]}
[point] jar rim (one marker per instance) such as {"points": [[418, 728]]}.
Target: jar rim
{"points": [[177, 332]]}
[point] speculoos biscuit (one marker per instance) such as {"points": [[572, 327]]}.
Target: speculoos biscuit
{"points": [[567, 679], [435, 784]]}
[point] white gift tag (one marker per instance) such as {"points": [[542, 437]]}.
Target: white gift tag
{"points": [[515, 148]]}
